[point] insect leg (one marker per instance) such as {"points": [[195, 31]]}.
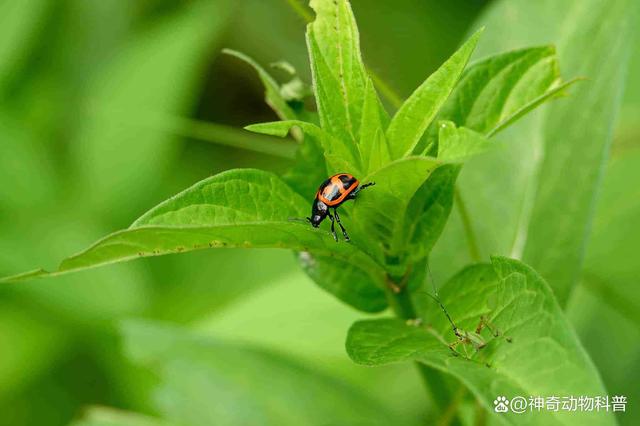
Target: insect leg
{"points": [[344, 231], [333, 226], [484, 322], [366, 185], [360, 188]]}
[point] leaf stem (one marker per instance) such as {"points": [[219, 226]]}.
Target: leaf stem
{"points": [[474, 251], [394, 99]]}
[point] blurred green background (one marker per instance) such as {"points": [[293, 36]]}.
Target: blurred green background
{"points": [[102, 105]]}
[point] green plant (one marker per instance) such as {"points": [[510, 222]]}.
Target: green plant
{"points": [[415, 158]]}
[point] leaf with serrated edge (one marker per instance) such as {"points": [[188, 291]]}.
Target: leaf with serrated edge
{"points": [[544, 357]]}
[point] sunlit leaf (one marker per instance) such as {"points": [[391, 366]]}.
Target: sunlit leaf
{"points": [[538, 203], [239, 208], [339, 76], [373, 146], [412, 119], [380, 208], [535, 354], [457, 144]]}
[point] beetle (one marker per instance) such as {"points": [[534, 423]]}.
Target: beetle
{"points": [[330, 195]]}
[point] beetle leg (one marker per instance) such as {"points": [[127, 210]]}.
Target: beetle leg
{"points": [[344, 231], [333, 226], [366, 185], [360, 188]]}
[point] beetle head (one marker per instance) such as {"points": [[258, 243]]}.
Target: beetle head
{"points": [[315, 220], [318, 213]]}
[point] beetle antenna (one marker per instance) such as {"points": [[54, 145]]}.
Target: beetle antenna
{"points": [[299, 219]]}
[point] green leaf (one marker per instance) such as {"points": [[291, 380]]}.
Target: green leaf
{"points": [[544, 356], [340, 157], [378, 211], [429, 210], [339, 75], [495, 89], [352, 283], [103, 416], [237, 208], [412, 119], [457, 144], [373, 146], [538, 204], [273, 95], [207, 381]]}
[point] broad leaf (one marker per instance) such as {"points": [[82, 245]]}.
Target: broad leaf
{"points": [[338, 73], [457, 144], [380, 209], [238, 208], [543, 357], [206, 381], [493, 90], [351, 282], [412, 119], [428, 211], [539, 201]]}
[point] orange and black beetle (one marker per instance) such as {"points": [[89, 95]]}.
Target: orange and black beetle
{"points": [[331, 194]]}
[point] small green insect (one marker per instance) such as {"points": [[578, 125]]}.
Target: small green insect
{"points": [[473, 338], [467, 338]]}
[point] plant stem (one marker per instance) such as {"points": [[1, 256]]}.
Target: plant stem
{"points": [[474, 252], [205, 131], [448, 415], [400, 301], [385, 90]]}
